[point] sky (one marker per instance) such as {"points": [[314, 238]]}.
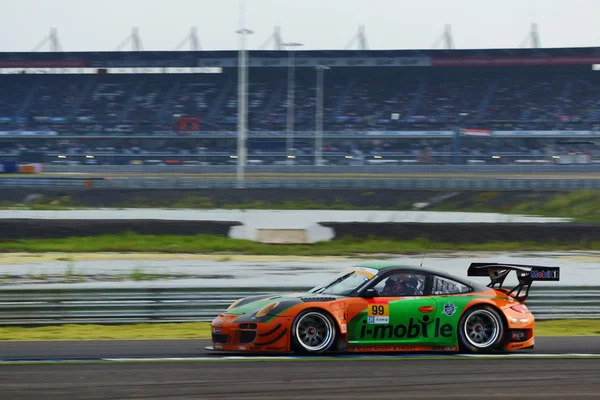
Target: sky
{"points": [[102, 25]]}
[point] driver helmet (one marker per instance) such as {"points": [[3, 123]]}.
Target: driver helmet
{"points": [[398, 286]]}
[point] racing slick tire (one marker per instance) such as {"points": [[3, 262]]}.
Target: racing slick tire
{"points": [[313, 332], [481, 330]]}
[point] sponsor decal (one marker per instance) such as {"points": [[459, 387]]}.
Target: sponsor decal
{"points": [[519, 335], [242, 348], [449, 309], [216, 330], [217, 346], [384, 348], [344, 328], [378, 320], [364, 271], [378, 312], [517, 345], [550, 274], [414, 329], [368, 349], [449, 348]]}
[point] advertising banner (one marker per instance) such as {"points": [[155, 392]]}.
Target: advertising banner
{"points": [[43, 64], [34, 168], [8, 168], [279, 62], [546, 133], [476, 132], [513, 61], [28, 133], [411, 133]]}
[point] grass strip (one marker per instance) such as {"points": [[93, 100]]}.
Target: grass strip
{"points": [[132, 242], [187, 330], [568, 327], [201, 330]]}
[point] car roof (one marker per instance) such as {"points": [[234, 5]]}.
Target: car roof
{"points": [[383, 267]]}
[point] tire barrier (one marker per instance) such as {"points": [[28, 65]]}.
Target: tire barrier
{"points": [[470, 232], [57, 228]]}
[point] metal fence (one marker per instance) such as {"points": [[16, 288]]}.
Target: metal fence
{"points": [[118, 306]]}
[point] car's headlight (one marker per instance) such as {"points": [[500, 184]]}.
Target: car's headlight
{"points": [[235, 303], [266, 309]]}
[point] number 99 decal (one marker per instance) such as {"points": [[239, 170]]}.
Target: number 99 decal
{"points": [[378, 310]]}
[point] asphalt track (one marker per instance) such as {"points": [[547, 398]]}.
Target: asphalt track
{"points": [[87, 349], [354, 378], [348, 379]]}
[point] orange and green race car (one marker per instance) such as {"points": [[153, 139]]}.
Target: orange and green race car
{"points": [[388, 308]]}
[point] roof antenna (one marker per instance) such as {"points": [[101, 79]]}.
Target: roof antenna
{"points": [[426, 248]]}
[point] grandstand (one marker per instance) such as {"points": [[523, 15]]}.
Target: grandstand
{"points": [[434, 106]]}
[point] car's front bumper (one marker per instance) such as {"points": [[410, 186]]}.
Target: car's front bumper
{"points": [[230, 336]]}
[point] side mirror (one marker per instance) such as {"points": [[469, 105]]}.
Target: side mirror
{"points": [[369, 294]]}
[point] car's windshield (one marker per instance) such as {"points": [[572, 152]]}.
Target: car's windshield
{"points": [[346, 282]]}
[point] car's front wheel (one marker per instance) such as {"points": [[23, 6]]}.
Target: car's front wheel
{"points": [[313, 332], [481, 330]]}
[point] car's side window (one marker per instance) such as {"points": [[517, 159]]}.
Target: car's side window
{"points": [[401, 284], [447, 286]]}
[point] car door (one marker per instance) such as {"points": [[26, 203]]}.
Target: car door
{"points": [[395, 320], [451, 298]]}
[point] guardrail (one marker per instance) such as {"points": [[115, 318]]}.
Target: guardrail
{"points": [[404, 184], [328, 169], [121, 306]]}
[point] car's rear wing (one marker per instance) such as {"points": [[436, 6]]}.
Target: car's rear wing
{"points": [[526, 274]]}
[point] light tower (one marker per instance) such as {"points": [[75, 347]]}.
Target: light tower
{"points": [[242, 97], [319, 116], [533, 38], [134, 39], [445, 38], [275, 37], [360, 39], [192, 38], [52, 39], [291, 97]]}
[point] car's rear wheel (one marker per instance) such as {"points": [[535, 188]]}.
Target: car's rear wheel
{"points": [[481, 330], [313, 332]]}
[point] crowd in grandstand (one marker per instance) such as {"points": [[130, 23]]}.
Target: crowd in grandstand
{"points": [[355, 100]]}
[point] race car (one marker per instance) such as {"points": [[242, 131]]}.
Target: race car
{"points": [[377, 307]]}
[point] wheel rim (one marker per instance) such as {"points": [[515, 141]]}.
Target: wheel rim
{"points": [[314, 331], [482, 328]]}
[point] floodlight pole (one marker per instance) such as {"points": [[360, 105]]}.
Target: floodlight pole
{"points": [[445, 39], [319, 116], [291, 97], [53, 39], [242, 99]]}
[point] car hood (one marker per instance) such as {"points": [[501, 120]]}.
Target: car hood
{"points": [[249, 306]]}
